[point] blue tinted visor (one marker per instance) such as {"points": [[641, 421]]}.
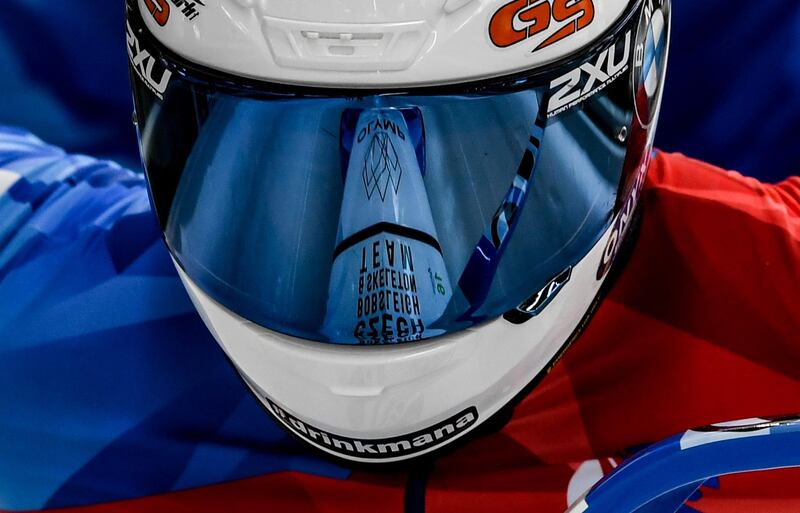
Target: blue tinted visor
{"points": [[364, 217]]}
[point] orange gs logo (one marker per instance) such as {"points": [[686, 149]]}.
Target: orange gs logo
{"points": [[519, 20]]}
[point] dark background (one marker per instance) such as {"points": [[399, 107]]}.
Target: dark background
{"points": [[732, 95]]}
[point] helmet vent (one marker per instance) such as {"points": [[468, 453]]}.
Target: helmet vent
{"points": [[343, 36], [345, 46], [341, 50]]}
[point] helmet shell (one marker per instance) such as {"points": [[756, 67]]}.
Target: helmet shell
{"points": [[377, 43]]}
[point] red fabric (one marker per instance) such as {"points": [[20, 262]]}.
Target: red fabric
{"points": [[703, 326]]}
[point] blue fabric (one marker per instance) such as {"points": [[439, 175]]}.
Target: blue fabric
{"points": [[731, 93], [110, 385], [64, 75], [730, 97]]}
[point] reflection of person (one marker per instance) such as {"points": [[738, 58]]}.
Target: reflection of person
{"points": [[381, 245], [139, 404]]}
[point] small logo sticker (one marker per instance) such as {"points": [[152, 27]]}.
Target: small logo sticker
{"points": [[650, 58], [160, 9], [623, 220], [147, 67], [590, 78], [397, 447], [381, 166], [189, 8], [551, 20]]}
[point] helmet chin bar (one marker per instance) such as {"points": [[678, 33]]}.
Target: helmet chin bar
{"points": [[392, 403]]}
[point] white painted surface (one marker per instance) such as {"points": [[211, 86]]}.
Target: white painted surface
{"points": [[364, 43]]}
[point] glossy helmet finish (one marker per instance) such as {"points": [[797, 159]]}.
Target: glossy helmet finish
{"points": [[395, 215]]}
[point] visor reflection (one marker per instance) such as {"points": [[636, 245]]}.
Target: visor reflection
{"points": [[354, 220], [389, 282]]}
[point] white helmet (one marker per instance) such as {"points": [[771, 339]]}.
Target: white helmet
{"points": [[395, 215]]}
